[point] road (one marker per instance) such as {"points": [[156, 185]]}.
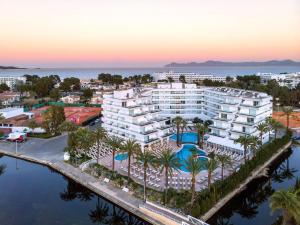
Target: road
{"points": [[51, 149]]}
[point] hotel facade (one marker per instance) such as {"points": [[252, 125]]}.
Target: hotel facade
{"points": [[233, 112], [130, 114]]}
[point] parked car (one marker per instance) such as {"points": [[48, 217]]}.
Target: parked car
{"points": [[17, 136]]}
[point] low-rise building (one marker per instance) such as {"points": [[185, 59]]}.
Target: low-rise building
{"points": [[12, 81], [290, 80], [189, 76], [70, 99], [9, 98]]}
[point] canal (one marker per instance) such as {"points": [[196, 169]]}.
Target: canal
{"points": [[32, 194], [252, 205]]}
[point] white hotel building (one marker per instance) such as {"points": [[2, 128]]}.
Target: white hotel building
{"points": [[130, 114], [189, 76], [12, 81], [234, 112]]}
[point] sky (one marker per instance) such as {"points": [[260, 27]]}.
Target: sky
{"points": [[138, 33]]}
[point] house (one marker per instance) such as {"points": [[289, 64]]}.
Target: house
{"points": [[70, 99]]}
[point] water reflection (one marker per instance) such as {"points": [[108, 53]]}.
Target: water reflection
{"points": [[40, 196], [252, 206]]}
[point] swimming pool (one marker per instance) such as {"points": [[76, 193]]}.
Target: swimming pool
{"points": [[188, 137], [121, 156], [184, 154]]}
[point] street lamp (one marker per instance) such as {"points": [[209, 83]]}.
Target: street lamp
{"points": [[16, 147]]}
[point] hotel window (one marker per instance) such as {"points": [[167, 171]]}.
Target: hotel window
{"points": [[255, 103], [223, 116], [250, 120], [244, 129]]}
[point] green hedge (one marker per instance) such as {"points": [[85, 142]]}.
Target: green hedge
{"points": [[207, 198]]}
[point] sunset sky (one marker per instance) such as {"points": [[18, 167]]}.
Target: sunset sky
{"points": [[135, 33]]}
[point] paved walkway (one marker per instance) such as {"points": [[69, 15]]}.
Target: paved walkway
{"points": [[50, 152]]}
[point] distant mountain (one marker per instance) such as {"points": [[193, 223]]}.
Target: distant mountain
{"points": [[9, 67], [220, 63]]}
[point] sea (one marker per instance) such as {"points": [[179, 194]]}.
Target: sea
{"points": [[89, 73]]}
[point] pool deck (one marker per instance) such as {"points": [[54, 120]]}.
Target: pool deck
{"points": [[45, 152]]}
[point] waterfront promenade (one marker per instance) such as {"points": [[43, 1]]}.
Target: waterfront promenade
{"points": [[50, 152]]}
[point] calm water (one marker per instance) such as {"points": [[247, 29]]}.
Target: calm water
{"points": [[31, 194], [93, 73], [252, 206]]}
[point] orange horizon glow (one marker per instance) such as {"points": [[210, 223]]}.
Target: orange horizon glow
{"points": [[146, 33]]}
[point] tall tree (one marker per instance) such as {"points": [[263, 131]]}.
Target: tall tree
{"points": [[116, 144], [87, 95], [225, 161], [68, 126], [177, 123], [287, 111], [289, 203], [55, 94], [131, 147], [199, 128], [99, 136], [246, 142], [147, 159], [262, 128], [182, 127], [211, 165], [53, 118], [168, 162], [194, 166], [84, 140]]}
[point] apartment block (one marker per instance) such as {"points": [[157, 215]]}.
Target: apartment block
{"points": [[131, 114]]}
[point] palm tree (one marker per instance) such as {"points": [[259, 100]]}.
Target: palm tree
{"points": [[276, 126], [147, 158], [203, 132], [194, 166], [269, 122], [254, 143], [67, 126], [262, 128], [225, 161], [99, 136], [177, 122], [83, 140], [182, 126], [287, 112], [245, 141], [130, 147], [289, 203], [115, 143], [168, 162], [211, 165], [199, 128]]}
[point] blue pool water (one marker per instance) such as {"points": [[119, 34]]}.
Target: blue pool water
{"points": [[121, 156], [184, 154], [189, 137]]}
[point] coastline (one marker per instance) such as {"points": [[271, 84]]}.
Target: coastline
{"points": [[112, 197]]}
